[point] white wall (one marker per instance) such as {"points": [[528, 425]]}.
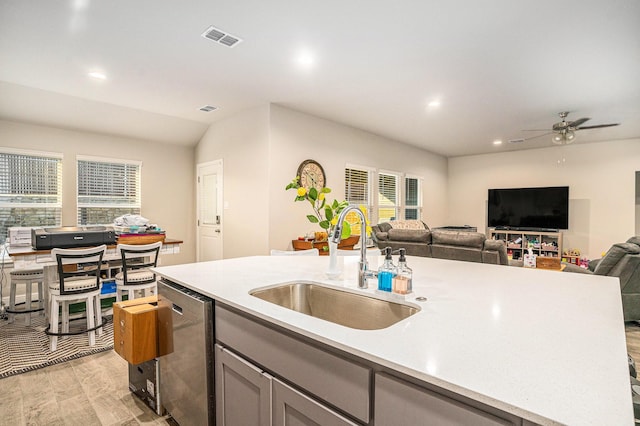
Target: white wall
{"points": [[296, 136], [242, 142], [600, 176], [261, 150], [167, 177], [167, 174]]}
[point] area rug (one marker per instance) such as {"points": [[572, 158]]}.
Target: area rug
{"points": [[26, 348]]}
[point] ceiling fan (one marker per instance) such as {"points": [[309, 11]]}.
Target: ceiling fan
{"points": [[564, 131]]}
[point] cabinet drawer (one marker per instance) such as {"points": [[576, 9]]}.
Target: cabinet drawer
{"points": [[337, 381], [404, 404]]}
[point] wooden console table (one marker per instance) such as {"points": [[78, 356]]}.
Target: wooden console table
{"points": [[323, 246]]}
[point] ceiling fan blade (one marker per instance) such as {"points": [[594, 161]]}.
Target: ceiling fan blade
{"points": [[597, 126], [578, 122], [538, 136]]}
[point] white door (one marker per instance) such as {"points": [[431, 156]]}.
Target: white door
{"points": [[209, 205]]}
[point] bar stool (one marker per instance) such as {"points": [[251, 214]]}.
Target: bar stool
{"points": [[135, 275], [78, 281], [28, 277]]}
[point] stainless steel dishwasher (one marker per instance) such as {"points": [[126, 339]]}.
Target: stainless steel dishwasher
{"points": [[187, 370]]}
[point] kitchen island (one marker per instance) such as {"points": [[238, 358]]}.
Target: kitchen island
{"points": [[542, 346]]}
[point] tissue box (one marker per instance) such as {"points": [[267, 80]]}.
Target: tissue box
{"points": [[529, 260]]}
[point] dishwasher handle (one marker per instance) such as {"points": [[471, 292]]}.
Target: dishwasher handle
{"points": [[177, 309]]}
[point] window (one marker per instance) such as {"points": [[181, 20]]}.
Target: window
{"points": [[357, 193], [107, 189], [30, 189], [412, 201], [399, 195], [388, 197]]}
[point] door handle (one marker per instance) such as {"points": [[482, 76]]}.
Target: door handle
{"points": [[218, 231]]}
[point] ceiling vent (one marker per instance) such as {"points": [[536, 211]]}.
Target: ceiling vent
{"points": [[516, 140], [208, 108], [221, 37]]}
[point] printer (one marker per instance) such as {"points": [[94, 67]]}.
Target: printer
{"points": [[72, 236]]}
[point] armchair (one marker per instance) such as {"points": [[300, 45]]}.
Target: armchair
{"points": [[622, 260]]}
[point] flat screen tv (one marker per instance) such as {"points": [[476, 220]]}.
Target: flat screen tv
{"points": [[529, 208]]}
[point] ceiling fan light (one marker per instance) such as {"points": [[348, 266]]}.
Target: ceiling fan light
{"points": [[564, 137], [558, 138]]}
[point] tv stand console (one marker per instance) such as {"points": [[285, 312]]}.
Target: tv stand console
{"points": [[544, 243]]}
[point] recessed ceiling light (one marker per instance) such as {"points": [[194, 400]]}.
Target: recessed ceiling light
{"points": [[97, 75], [80, 4], [305, 59], [497, 142], [434, 104]]}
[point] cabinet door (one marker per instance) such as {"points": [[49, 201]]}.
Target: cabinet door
{"points": [[243, 392], [340, 382], [400, 403], [291, 408]]}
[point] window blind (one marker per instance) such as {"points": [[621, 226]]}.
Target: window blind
{"points": [[356, 190], [387, 197], [413, 206], [107, 189], [30, 190]]}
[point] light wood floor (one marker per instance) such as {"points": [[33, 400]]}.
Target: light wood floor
{"points": [[93, 390], [632, 330]]}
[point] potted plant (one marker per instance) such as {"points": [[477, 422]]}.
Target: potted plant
{"points": [[325, 214]]}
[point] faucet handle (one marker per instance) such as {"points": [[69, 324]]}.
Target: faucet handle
{"points": [[337, 233]]}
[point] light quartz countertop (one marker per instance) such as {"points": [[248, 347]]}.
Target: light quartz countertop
{"points": [[544, 345]]}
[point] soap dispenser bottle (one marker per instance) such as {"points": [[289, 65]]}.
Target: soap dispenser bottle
{"points": [[386, 272], [402, 281]]}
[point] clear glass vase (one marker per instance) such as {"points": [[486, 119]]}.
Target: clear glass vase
{"points": [[334, 270]]}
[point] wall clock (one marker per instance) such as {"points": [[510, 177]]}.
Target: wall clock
{"points": [[311, 174]]}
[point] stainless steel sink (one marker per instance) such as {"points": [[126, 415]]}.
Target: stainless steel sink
{"points": [[341, 307]]}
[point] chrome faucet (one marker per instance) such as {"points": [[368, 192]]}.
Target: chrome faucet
{"points": [[363, 271]]}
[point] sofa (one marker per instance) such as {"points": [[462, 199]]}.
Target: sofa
{"points": [[418, 240], [622, 260]]}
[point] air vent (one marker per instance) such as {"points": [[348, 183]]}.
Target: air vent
{"points": [[516, 140], [221, 37], [208, 108]]}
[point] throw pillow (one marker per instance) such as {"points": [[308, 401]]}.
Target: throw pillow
{"points": [[408, 224]]}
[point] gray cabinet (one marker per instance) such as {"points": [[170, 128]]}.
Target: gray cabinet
{"points": [[401, 403], [329, 377], [243, 391], [266, 372], [246, 395], [292, 408]]}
